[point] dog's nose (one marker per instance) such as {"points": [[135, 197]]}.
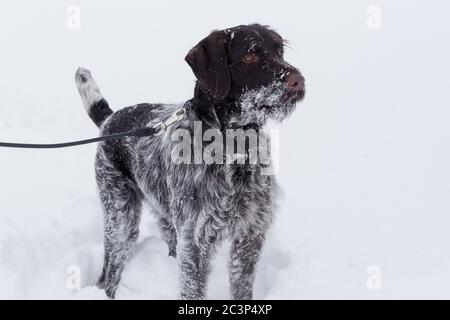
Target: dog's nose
{"points": [[295, 81]]}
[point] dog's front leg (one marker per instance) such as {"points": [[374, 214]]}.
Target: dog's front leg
{"points": [[245, 252], [193, 264]]}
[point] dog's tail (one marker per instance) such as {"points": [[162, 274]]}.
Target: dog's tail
{"points": [[94, 103]]}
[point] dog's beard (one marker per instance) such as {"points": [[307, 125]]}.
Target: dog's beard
{"points": [[271, 102]]}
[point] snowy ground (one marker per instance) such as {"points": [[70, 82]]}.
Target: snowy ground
{"points": [[363, 161]]}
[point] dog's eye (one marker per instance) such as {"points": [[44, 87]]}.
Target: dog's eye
{"points": [[251, 58]]}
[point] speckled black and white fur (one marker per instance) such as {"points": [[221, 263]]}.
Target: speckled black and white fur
{"points": [[197, 205]]}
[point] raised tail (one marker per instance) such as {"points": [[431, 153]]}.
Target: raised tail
{"points": [[94, 103]]}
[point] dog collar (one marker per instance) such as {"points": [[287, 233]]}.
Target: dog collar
{"points": [[177, 116]]}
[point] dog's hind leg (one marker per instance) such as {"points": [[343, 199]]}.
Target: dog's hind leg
{"points": [[122, 212]]}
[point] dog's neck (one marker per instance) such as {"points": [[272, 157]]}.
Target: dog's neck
{"points": [[215, 113]]}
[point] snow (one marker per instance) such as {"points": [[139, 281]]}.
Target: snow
{"points": [[363, 160], [263, 105]]}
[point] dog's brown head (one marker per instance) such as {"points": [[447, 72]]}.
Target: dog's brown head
{"points": [[245, 64]]}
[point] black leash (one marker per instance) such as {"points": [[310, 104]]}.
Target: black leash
{"points": [[157, 129], [141, 132]]}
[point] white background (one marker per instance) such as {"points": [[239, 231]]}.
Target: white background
{"points": [[364, 161]]}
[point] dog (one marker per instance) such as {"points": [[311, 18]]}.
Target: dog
{"points": [[242, 82]]}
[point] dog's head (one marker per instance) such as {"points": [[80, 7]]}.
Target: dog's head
{"points": [[245, 64]]}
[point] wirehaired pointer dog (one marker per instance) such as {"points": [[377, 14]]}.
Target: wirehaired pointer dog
{"points": [[242, 81]]}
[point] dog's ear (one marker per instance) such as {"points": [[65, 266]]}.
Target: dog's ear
{"points": [[209, 62]]}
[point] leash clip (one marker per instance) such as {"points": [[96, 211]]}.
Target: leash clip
{"points": [[175, 117]]}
